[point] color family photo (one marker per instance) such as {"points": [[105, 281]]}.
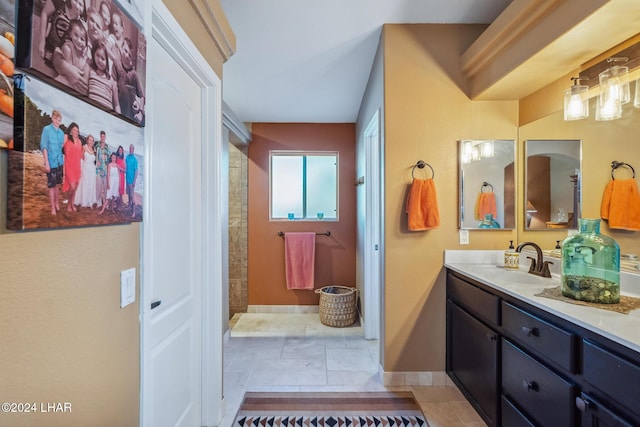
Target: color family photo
{"points": [[7, 42], [88, 48], [73, 165]]}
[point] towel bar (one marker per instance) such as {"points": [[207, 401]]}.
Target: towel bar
{"points": [[326, 233]]}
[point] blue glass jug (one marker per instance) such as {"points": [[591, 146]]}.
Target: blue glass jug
{"points": [[591, 265], [488, 222]]}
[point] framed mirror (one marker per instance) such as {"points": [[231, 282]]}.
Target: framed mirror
{"points": [[552, 184], [487, 184]]}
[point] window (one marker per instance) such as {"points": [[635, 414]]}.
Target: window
{"points": [[304, 185]]}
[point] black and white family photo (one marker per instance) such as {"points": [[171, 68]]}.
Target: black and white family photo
{"points": [[89, 48]]}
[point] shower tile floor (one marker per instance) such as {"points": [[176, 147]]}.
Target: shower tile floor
{"points": [[295, 352]]}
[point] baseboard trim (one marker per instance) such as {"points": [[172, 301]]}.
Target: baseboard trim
{"points": [[283, 309], [436, 378]]}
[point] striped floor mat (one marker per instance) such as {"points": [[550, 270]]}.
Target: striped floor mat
{"points": [[370, 409]]}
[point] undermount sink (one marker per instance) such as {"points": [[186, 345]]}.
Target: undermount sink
{"points": [[497, 274]]}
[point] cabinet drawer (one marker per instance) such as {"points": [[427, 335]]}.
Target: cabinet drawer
{"points": [[611, 374], [547, 398], [481, 303], [594, 414], [540, 337], [511, 416]]}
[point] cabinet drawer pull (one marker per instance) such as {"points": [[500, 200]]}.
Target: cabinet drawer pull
{"points": [[529, 385], [491, 336], [530, 331], [582, 404]]}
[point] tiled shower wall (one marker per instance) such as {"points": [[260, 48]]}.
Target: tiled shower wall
{"points": [[237, 229]]}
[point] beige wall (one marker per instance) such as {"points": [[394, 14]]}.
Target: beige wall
{"points": [[602, 142], [426, 113], [211, 34], [64, 336]]}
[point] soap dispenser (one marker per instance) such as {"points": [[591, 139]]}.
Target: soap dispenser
{"points": [[511, 258]]}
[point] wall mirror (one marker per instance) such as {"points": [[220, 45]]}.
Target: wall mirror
{"points": [[487, 184], [552, 177]]}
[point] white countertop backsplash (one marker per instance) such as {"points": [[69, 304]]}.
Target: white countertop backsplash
{"points": [[488, 267]]}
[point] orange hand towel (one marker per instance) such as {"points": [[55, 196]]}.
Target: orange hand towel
{"points": [[486, 204], [621, 204], [422, 205], [299, 258]]}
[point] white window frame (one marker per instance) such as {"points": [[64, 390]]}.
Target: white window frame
{"points": [[306, 153]]}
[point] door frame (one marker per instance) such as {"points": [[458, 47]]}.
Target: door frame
{"points": [[170, 35], [373, 246]]}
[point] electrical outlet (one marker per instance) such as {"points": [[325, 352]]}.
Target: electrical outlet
{"points": [[464, 237]]}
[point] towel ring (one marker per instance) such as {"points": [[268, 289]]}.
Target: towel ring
{"points": [[420, 165], [615, 165], [484, 185]]}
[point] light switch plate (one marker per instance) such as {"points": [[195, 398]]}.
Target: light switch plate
{"points": [[464, 237], [127, 287]]}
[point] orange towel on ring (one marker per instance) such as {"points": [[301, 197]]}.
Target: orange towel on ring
{"points": [[486, 204], [422, 205], [621, 204]]}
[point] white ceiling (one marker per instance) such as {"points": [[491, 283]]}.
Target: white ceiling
{"points": [[309, 60]]}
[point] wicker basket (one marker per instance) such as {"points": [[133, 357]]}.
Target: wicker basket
{"points": [[337, 306]]}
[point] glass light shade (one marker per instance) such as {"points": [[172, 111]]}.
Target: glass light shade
{"points": [[614, 84], [475, 154], [487, 149], [576, 102], [608, 109], [467, 151]]}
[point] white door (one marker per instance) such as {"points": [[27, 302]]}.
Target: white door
{"points": [[172, 340], [182, 250], [372, 229]]}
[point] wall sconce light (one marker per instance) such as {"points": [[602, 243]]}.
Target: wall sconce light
{"points": [[476, 150], [611, 75], [576, 101]]}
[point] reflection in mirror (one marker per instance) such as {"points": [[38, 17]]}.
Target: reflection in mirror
{"points": [[487, 184], [552, 179]]}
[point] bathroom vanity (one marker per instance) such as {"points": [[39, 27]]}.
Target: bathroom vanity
{"points": [[526, 360]]}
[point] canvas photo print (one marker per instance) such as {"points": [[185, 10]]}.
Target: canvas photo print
{"points": [[77, 165], [91, 49], [7, 50], [135, 9]]}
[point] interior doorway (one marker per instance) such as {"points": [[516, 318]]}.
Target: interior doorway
{"points": [[372, 280]]}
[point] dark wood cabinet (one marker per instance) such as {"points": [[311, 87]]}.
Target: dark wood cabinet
{"points": [[519, 365], [473, 365], [594, 414]]}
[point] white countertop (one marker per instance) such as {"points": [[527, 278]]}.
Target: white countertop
{"points": [[487, 267]]}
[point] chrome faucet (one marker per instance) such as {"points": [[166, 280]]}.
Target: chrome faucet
{"points": [[539, 266]]}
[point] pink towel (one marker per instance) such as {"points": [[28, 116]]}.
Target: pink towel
{"points": [[299, 258]]}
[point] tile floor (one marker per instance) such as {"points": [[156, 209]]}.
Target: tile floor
{"points": [[295, 352]]}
